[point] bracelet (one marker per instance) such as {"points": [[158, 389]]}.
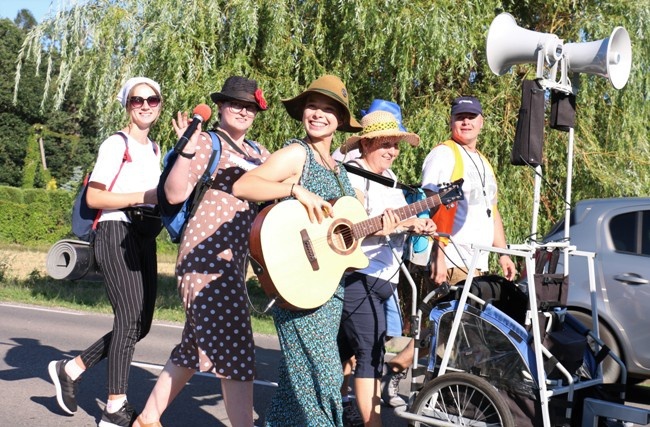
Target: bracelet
{"points": [[291, 192], [187, 155]]}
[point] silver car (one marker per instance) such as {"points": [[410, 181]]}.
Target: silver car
{"points": [[618, 231]]}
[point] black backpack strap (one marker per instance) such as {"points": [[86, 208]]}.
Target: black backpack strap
{"points": [[256, 147], [234, 146]]}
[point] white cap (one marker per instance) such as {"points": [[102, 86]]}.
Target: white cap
{"points": [[123, 95]]}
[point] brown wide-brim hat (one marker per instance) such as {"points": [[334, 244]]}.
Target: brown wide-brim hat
{"points": [[379, 124], [333, 88], [237, 88]]}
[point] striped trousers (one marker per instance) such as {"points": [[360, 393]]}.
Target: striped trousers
{"points": [[128, 263]]}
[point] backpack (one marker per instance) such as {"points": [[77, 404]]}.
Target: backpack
{"points": [[176, 217], [85, 219]]}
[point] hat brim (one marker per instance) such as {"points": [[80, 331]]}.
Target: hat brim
{"points": [[218, 97], [466, 111], [353, 142], [296, 105]]}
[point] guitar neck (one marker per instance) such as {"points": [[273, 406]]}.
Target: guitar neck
{"points": [[374, 224]]}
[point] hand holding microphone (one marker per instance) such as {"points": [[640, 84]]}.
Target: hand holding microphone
{"points": [[201, 114]]}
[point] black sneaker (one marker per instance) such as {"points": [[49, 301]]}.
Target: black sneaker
{"points": [[66, 388], [122, 418], [351, 417]]}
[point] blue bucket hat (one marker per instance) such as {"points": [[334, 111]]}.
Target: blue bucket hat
{"points": [[391, 107]]}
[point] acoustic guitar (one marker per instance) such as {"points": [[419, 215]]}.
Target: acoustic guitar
{"points": [[299, 263]]}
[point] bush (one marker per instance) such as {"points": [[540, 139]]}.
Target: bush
{"points": [[37, 217]]}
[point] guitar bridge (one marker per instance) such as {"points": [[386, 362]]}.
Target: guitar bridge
{"points": [[309, 249]]}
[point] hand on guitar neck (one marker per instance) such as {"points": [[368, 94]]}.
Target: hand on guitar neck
{"points": [[301, 262]]}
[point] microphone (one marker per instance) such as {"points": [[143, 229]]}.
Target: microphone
{"points": [[201, 113]]}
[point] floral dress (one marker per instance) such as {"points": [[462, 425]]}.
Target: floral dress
{"points": [[310, 377], [211, 271]]}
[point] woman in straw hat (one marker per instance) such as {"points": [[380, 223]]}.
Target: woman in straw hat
{"points": [[363, 325], [212, 260], [125, 176], [310, 374]]}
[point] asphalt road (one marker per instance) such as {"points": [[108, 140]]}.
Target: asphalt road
{"points": [[30, 337]]}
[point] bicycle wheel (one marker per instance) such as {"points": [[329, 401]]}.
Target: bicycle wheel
{"points": [[462, 399]]}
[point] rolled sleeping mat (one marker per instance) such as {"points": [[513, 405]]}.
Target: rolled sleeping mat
{"points": [[70, 260]]}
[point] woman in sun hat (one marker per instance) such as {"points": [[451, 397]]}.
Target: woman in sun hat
{"points": [[363, 326], [375, 105], [213, 260], [394, 323], [125, 176], [310, 376]]}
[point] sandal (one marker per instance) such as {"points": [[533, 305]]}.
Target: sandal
{"points": [[153, 424]]}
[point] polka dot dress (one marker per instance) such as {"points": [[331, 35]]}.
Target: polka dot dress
{"points": [[211, 271]]}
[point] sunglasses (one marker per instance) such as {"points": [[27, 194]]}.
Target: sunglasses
{"points": [[237, 108], [138, 101]]}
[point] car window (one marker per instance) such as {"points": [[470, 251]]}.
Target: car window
{"points": [[645, 234], [630, 232]]}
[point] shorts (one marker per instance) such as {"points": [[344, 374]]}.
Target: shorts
{"points": [[363, 324]]}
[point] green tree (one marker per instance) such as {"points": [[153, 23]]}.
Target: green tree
{"points": [[420, 54], [25, 20], [24, 111]]}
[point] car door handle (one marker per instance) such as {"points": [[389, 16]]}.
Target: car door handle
{"points": [[631, 278]]}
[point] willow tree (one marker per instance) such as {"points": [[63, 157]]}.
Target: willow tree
{"points": [[420, 54]]}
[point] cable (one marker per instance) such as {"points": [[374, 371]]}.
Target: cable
{"points": [[545, 181]]}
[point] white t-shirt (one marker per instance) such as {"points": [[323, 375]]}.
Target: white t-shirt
{"points": [[472, 224], [340, 157], [140, 174], [378, 198]]}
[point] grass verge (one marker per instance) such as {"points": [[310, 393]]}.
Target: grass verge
{"points": [[90, 295]]}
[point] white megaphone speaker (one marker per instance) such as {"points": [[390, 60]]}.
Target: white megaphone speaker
{"points": [[610, 57], [508, 44]]}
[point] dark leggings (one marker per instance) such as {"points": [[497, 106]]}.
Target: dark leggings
{"points": [[128, 263]]}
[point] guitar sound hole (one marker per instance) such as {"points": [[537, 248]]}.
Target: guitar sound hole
{"points": [[342, 237]]}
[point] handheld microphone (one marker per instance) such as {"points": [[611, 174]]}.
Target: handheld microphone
{"points": [[201, 113]]}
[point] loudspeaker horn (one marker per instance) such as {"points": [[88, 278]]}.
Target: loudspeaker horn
{"points": [[610, 57], [508, 44]]}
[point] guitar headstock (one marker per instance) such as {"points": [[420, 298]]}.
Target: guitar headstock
{"points": [[451, 193]]}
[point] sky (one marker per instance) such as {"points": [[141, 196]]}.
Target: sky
{"points": [[39, 8]]}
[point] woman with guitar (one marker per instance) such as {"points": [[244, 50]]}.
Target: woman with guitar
{"points": [[310, 374], [363, 324]]}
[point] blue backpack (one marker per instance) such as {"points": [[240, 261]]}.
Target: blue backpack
{"points": [[415, 195], [84, 218], [176, 217]]}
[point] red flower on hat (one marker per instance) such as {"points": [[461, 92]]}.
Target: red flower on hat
{"points": [[259, 97]]}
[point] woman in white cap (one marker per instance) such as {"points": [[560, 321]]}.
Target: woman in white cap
{"points": [[363, 323], [310, 376], [125, 177]]}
